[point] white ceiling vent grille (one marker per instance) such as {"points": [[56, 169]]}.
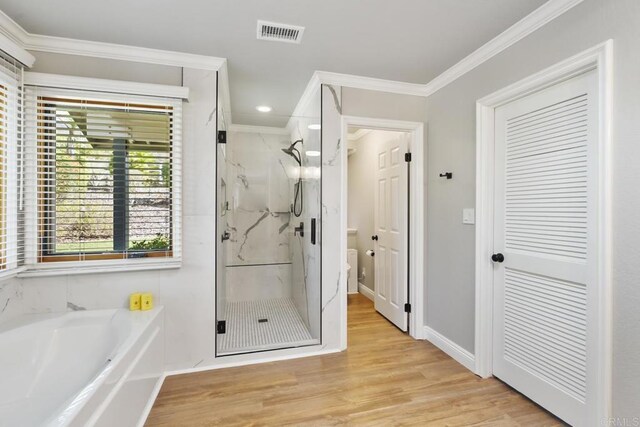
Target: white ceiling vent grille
{"points": [[279, 32]]}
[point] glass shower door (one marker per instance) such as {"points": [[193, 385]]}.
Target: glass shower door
{"points": [[268, 288]]}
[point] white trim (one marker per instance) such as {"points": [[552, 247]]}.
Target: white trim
{"points": [[366, 291], [103, 85], [459, 354], [418, 196], [370, 83], [527, 25], [35, 269], [247, 362], [101, 266], [599, 58], [15, 48], [121, 52], [258, 129], [25, 40]]}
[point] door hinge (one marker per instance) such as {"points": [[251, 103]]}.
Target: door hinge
{"points": [[221, 326], [407, 308], [222, 137], [407, 157]]}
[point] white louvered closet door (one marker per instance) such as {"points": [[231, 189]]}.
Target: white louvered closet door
{"points": [[545, 195]]}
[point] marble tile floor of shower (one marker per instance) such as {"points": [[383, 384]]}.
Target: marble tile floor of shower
{"points": [[247, 331]]}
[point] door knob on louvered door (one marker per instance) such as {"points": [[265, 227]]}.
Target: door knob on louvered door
{"points": [[374, 237], [497, 257]]}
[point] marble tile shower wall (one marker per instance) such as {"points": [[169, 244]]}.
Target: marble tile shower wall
{"points": [[305, 257], [258, 189]]}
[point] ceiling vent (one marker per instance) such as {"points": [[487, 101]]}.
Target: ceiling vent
{"points": [[279, 32]]}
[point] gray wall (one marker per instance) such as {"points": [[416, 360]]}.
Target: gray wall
{"points": [[451, 135], [100, 68], [360, 204]]}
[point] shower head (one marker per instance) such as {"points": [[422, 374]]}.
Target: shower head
{"points": [[291, 148], [293, 151]]}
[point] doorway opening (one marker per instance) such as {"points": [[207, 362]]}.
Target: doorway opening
{"points": [[383, 223]]}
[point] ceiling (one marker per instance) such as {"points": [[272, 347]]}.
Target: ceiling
{"points": [[408, 40]]}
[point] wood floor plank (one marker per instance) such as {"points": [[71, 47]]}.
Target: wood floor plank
{"points": [[384, 378]]}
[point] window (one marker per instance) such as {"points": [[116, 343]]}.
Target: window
{"points": [[10, 164], [105, 171]]}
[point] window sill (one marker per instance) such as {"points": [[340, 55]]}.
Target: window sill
{"points": [[107, 266], [10, 274]]}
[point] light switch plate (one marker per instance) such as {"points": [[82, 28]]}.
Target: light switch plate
{"points": [[468, 216]]}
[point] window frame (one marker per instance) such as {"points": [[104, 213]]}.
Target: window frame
{"points": [[36, 263], [9, 243]]}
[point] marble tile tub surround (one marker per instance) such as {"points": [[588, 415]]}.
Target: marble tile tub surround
{"points": [[10, 299], [187, 292]]}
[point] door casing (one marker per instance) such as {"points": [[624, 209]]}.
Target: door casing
{"points": [[417, 196], [598, 58]]}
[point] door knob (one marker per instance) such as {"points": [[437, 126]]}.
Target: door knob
{"points": [[497, 257], [375, 237]]}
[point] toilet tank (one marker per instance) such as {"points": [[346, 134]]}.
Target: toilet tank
{"points": [[352, 280]]}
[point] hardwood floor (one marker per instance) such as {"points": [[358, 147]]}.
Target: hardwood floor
{"points": [[384, 378]]}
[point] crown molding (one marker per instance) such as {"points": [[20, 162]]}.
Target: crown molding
{"points": [[103, 85], [9, 29], [521, 29], [12, 38], [259, 129], [370, 83], [349, 80], [120, 52]]}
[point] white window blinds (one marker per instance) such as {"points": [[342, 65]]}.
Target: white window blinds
{"points": [[11, 164], [107, 176]]}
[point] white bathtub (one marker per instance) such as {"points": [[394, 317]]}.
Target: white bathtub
{"points": [[80, 368]]}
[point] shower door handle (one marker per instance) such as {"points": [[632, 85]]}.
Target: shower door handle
{"points": [[313, 231]]}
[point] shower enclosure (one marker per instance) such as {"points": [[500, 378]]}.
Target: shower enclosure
{"points": [[269, 210]]}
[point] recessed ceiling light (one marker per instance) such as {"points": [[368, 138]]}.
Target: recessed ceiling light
{"points": [[312, 153], [314, 126], [263, 108]]}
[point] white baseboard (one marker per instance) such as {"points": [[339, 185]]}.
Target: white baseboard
{"points": [[366, 291], [458, 353]]}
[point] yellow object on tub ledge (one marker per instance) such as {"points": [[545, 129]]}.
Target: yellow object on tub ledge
{"points": [[146, 301], [135, 301]]}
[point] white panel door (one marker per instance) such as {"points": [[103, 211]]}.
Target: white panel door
{"points": [[390, 224], [544, 225]]}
